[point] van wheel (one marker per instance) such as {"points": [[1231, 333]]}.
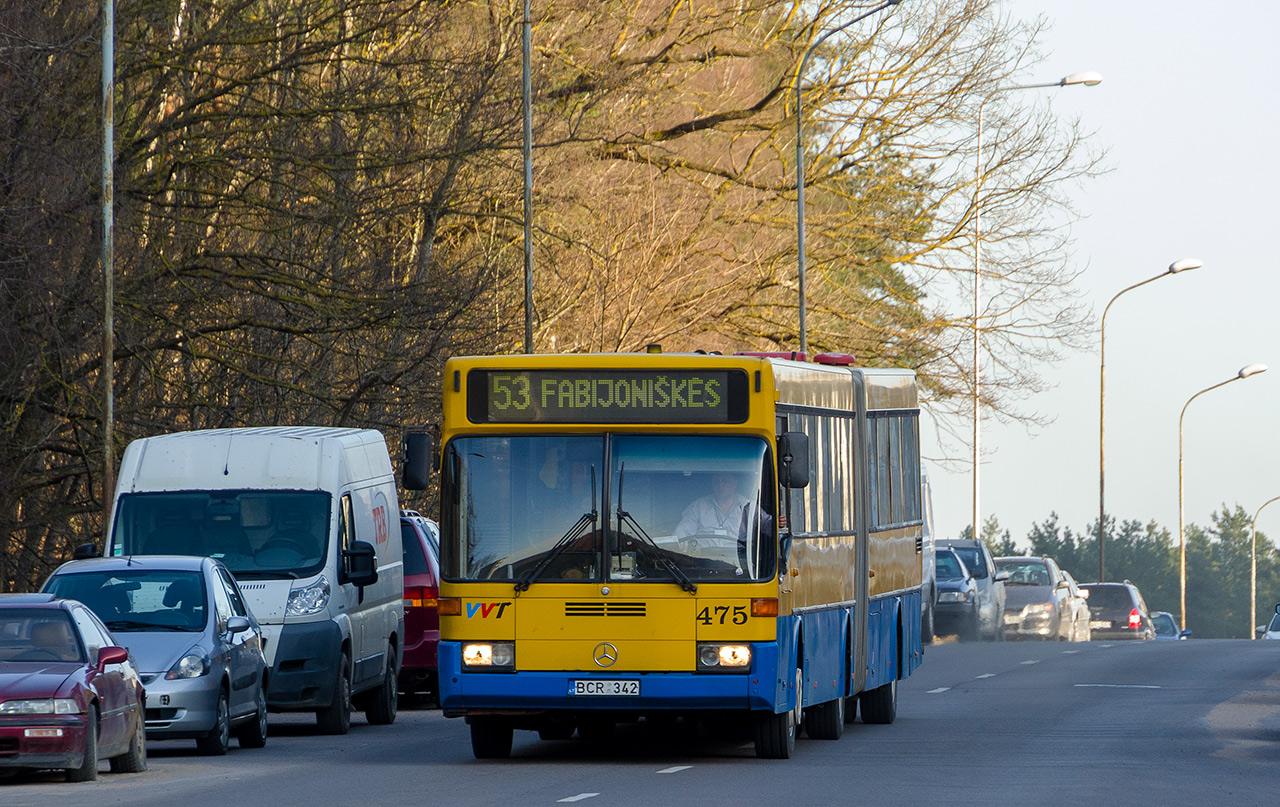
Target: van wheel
{"points": [[380, 708], [88, 770], [491, 737], [336, 717]]}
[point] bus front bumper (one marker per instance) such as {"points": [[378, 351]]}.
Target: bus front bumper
{"points": [[532, 691]]}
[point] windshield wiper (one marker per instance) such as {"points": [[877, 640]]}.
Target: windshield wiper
{"points": [[575, 532], [132, 625], [269, 573], [651, 547]]}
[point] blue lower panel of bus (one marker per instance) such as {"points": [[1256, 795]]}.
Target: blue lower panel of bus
{"points": [[463, 692]]}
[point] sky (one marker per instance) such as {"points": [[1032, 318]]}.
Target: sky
{"points": [[1188, 116]]}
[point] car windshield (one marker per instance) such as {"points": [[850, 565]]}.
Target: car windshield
{"points": [[136, 599], [972, 557], [663, 509], [38, 635], [948, 566], [1109, 598], [415, 557], [1025, 572], [1275, 623], [256, 532], [1165, 626]]}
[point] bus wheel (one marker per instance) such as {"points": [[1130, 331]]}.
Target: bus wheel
{"points": [[880, 705], [776, 733], [826, 720], [490, 738]]}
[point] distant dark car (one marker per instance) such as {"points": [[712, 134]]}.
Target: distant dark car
{"points": [[1038, 603], [1166, 625], [1117, 611], [421, 545], [957, 609], [198, 646], [989, 582], [69, 694]]}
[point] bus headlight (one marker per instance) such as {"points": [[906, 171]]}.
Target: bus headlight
{"points": [[717, 657], [496, 656]]}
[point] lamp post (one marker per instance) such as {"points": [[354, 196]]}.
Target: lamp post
{"points": [[804, 61], [1245, 372], [527, 104], [1184, 265], [108, 260], [1253, 568], [1088, 79]]}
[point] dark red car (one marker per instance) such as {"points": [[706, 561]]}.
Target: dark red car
{"points": [[421, 540], [69, 695]]}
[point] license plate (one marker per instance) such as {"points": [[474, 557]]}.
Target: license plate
{"points": [[1100, 624], [607, 688]]}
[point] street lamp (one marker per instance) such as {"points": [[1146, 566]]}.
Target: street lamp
{"points": [[804, 330], [1088, 79], [1245, 372], [1183, 265], [1253, 569]]}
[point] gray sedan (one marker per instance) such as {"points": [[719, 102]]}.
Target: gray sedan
{"points": [[198, 647]]}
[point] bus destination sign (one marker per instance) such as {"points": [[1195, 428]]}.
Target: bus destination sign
{"points": [[607, 396]]}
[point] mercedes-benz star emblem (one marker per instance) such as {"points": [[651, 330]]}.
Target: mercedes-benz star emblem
{"points": [[605, 654]]}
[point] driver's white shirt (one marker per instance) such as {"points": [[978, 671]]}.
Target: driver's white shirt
{"points": [[704, 517]]}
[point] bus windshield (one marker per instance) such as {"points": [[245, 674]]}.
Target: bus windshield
{"points": [[267, 533], [669, 509]]}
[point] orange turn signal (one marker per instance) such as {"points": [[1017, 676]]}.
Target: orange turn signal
{"points": [[764, 606], [450, 606]]}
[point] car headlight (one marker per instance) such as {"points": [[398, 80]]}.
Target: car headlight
{"points": [[955, 596], [1038, 609], [495, 656], [191, 665], [308, 600], [40, 706], [718, 657]]}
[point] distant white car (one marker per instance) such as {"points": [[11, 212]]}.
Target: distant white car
{"points": [[1272, 629]]}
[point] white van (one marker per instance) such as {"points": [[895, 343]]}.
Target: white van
{"points": [[307, 520]]}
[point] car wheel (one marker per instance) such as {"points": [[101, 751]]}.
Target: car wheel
{"points": [[254, 733], [880, 705], [135, 759], [776, 733], [88, 770], [336, 717], [382, 703], [491, 737], [826, 720], [215, 743]]}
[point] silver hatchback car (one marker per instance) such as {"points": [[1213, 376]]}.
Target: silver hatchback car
{"points": [[196, 644]]}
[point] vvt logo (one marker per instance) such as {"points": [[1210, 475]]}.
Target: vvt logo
{"points": [[484, 609]]}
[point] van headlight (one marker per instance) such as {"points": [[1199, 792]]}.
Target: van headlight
{"points": [[489, 656], [719, 657], [308, 600]]}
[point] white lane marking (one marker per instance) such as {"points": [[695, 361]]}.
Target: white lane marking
{"points": [[987, 675], [936, 691], [1033, 661], [578, 797], [1069, 652], [675, 769], [1119, 686]]}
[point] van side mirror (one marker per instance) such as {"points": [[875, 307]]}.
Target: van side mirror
{"points": [[360, 564], [86, 551], [793, 459], [416, 462]]}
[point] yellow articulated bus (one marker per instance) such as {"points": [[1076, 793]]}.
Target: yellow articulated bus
{"points": [[654, 535]]}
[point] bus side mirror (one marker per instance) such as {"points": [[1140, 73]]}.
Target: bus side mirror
{"points": [[416, 462], [86, 551], [793, 459]]}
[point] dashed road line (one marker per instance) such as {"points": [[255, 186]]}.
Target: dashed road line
{"points": [[938, 690], [578, 797], [1119, 686], [986, 675], [675, 769], [1032, 661]]}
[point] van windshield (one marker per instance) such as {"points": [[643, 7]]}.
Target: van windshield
{"points": [[269, 533]]}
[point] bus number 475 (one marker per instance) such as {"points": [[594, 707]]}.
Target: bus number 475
{"points": [[737, 615]]}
